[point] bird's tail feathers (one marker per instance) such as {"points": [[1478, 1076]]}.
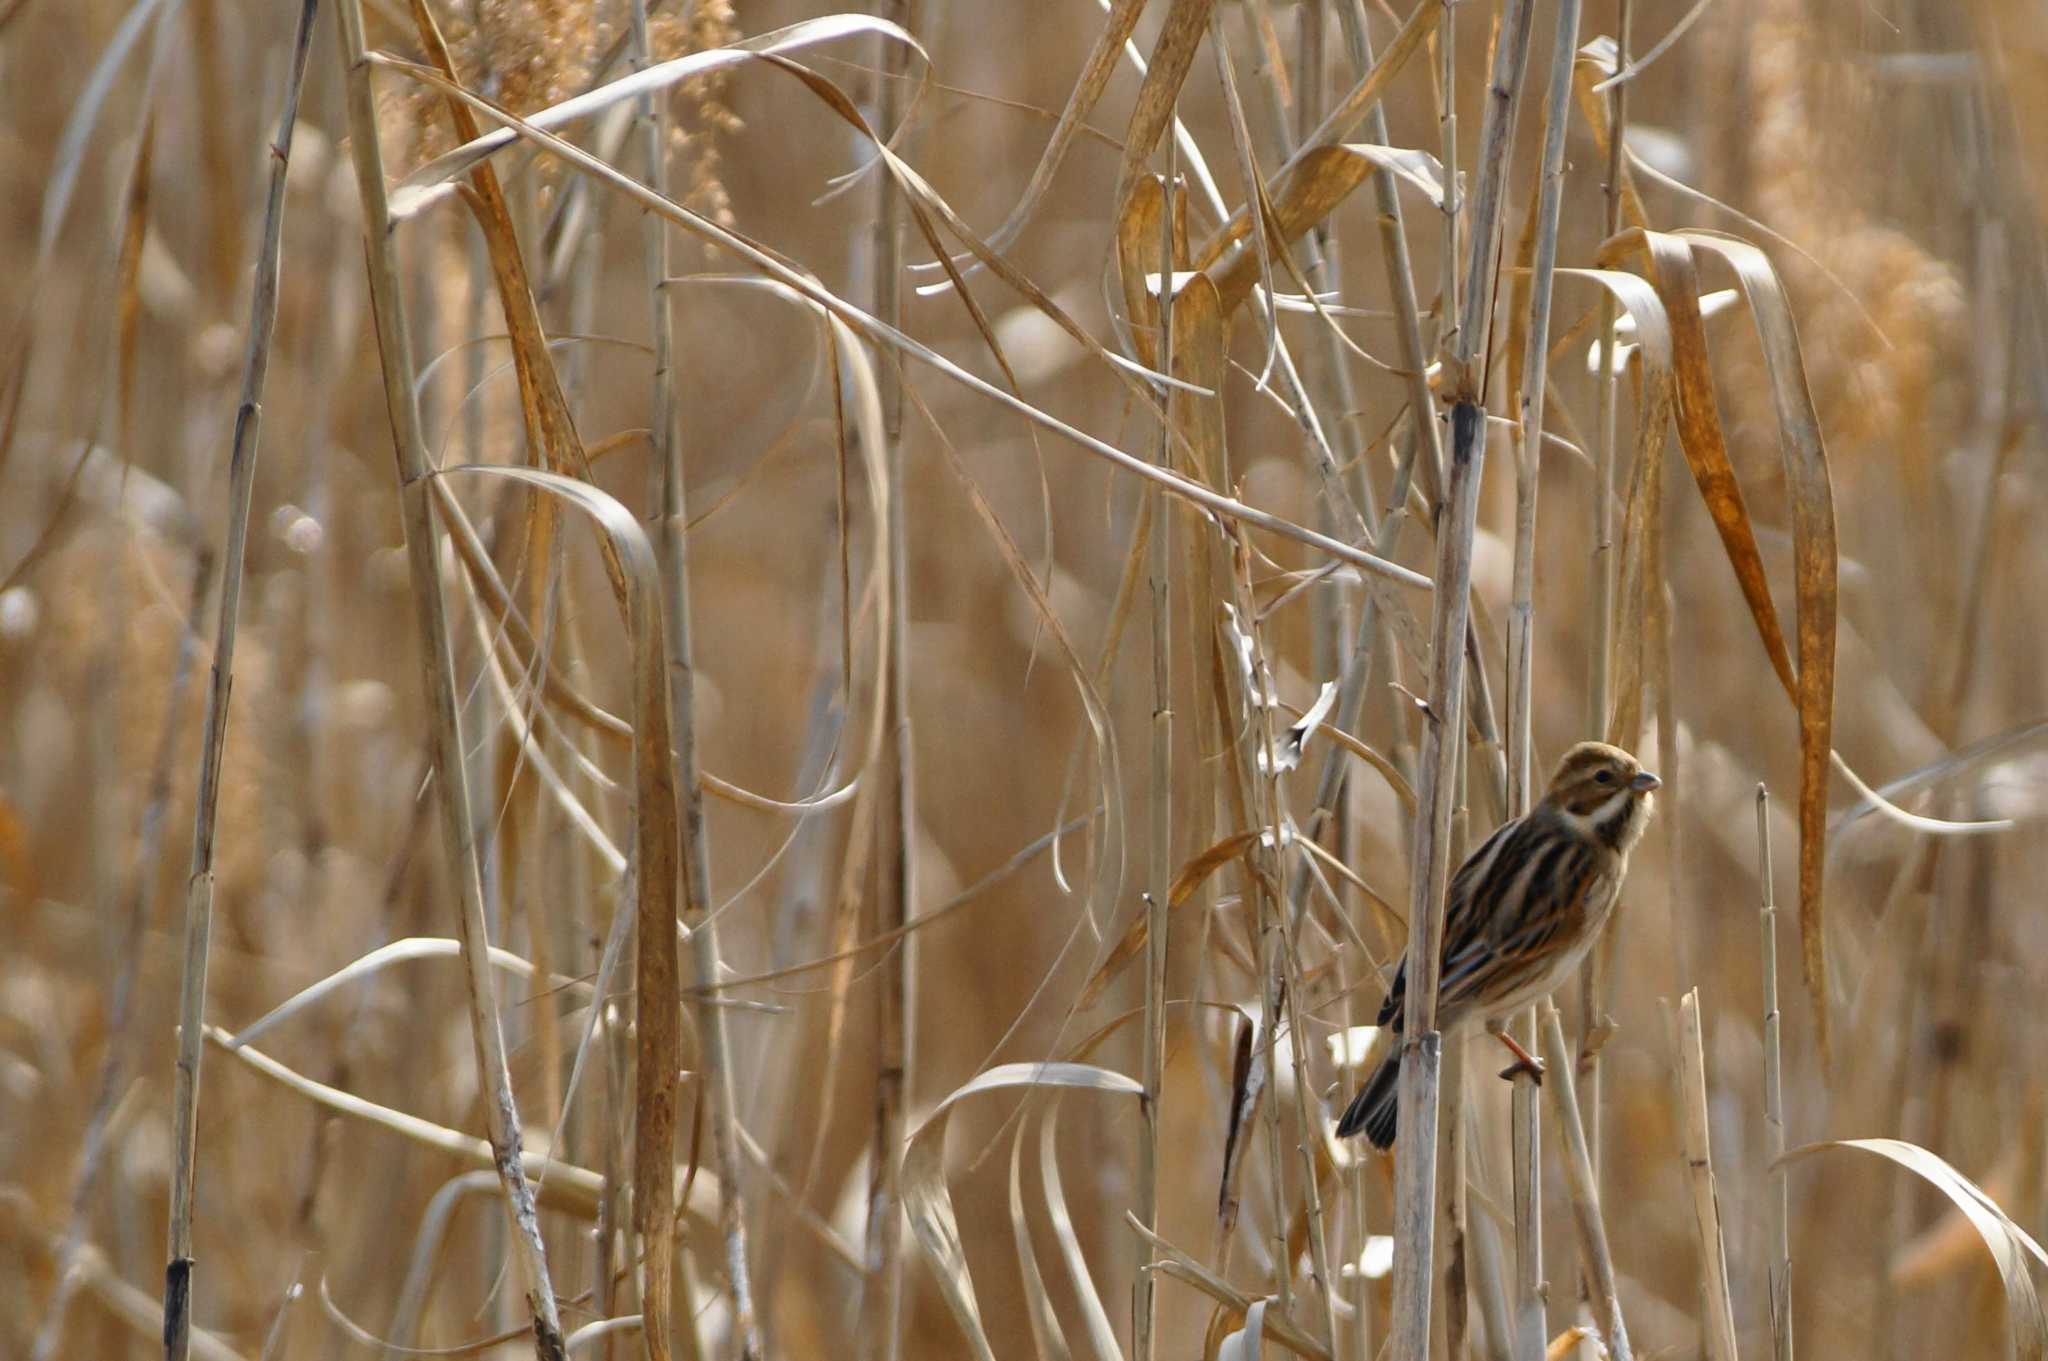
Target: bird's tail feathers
{"points": [[1377, 1106]]}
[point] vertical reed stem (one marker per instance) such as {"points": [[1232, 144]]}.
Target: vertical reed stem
{"points": [[896, 1015], [1594, 992], [1444, 731], [1779, 1265], [423, 553], [1696, 1145], [1585, 1191], [1160, 830], [199, 891], [1531, 1330]]}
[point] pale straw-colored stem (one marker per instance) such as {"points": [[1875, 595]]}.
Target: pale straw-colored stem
{"points": [[451, 777], [1159, 831], [715, 1076], [1579, 1183], [1531, 1330], [1779, 1263], [199, 899], [896, 1020], [1696, 1145]]}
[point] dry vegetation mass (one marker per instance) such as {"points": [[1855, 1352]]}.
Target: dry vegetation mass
{"points": [[729, 680]]}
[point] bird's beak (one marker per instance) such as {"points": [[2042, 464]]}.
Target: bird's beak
{"points": [[1644, 782]]}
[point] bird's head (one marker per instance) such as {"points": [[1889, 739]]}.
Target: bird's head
{"points": [[1603, 791]]}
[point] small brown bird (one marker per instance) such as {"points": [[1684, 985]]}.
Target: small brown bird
{"points": [[1522, 911]]}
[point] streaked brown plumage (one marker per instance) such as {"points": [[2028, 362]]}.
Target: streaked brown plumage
{"points": [[1522, 911]]}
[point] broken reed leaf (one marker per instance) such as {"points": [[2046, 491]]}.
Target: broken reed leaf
{"points": [[1287, 755], [1191, 877], [1711, 305], [561, 340], [929, 1204], [431, 182], [1241, 651], [558, 1185], [363, 1336], [2009, 1245], [1815, 550], [1387, 770], [1898, 816], [1179, 1265]]}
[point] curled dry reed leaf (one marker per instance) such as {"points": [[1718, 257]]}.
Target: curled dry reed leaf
{"points": [[1811, 688], [930, 1205], [2010, 1245]]}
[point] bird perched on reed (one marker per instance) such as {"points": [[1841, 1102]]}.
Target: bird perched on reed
{"points": [[1521, 913]]}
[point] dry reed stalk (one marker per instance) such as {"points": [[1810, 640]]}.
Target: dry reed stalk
{"points": [[1608, 389], [1444, 727], [1531, 1329], [1530, 1326], [1454, 1202], [445, 734], [881, 1310], [656, 967], [1449, 304], [1778, 1266], [177, 1316], [1595, 974], [1579, 1181], [714, 1049], [1422, 1046], [1696, 1147], [1159, 830]]}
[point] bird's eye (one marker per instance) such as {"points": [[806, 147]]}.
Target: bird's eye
{"points": [[1603, 777]]}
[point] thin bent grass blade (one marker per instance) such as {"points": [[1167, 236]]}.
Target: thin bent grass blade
{"points": [[930, 1205]]}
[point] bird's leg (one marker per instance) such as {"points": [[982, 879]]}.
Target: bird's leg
{"points": [[1525, 1062]]}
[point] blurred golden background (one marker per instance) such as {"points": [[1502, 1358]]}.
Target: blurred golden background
{"points": [[1885, 155]]}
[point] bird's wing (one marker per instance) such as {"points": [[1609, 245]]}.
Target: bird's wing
{"points": [[1533, 909], [1461, 926], [1478, 899]]}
